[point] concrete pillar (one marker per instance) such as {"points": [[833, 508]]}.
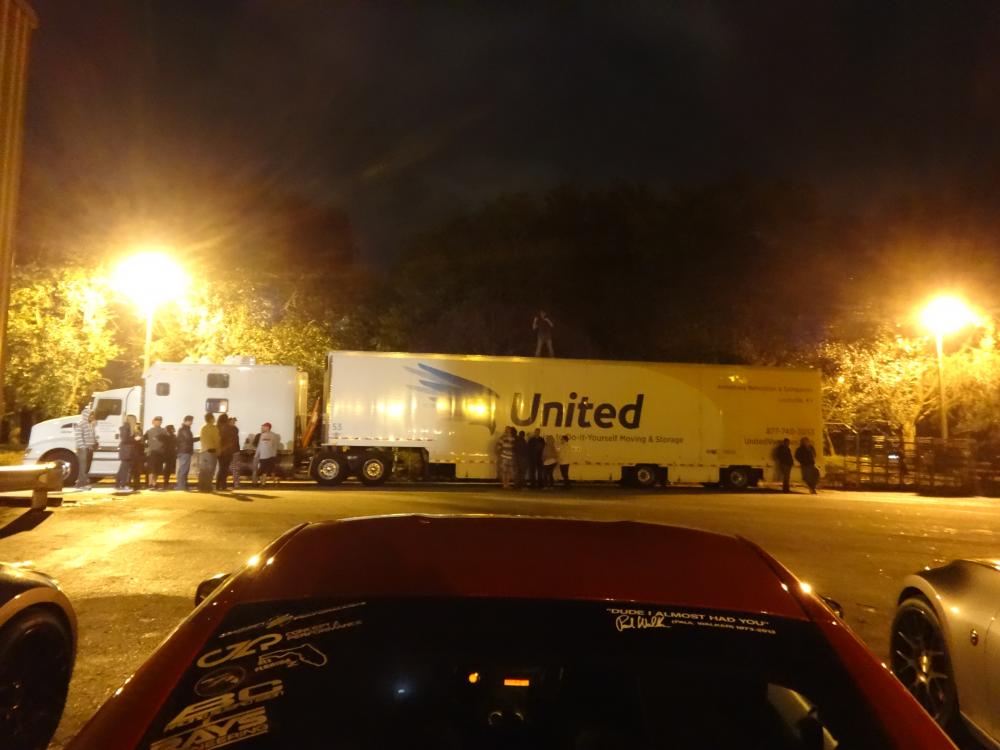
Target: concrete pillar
{"points": [[17, 21]]}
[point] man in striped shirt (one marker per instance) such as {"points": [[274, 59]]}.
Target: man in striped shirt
{"points": [[86, 442], [505, 454]]}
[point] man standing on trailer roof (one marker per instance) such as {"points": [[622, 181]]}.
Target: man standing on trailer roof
{"points": [[543, 325]]}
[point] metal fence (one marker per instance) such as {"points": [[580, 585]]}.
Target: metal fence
{"points": [[958, 466]]}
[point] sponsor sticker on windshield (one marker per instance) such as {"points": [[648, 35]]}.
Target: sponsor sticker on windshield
{"points": [[217, 732], [286, 618], [645, 618]]}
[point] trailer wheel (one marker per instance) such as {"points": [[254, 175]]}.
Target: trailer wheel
{"points": [[645, 475], [374, 470], [736, 477], [68, 464], [329, 470]]}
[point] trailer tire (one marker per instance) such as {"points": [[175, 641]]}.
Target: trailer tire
{"points": [[646, 475], [736, 477], [70, 466], [374, 470], [329, 470]]}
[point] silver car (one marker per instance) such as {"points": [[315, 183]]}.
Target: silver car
{"points": [[945, 644]]}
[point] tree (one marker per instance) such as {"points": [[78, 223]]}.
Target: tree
{"points": [[887, 380], [892, 379], [61, 335], [238, 317]]}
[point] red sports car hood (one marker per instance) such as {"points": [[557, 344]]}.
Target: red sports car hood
{"points": [[509, 557]]}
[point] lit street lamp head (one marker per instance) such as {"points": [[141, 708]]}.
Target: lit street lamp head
{"points": [[945, 314], [149, 278]]}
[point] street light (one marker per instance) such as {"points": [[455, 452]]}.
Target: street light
{"points": [[149, 278], [944, 315]]}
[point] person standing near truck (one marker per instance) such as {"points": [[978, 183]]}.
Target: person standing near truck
{"points": [[128, 447], [266, 453], [520, 460], [208, 459], [185, 447], [563, 451], [805, 454], [86, 443], [505, 457], [169, 454], [236, 459], [154, 451], [550, 457], [229, 443], [783, 458], [536, 446]]}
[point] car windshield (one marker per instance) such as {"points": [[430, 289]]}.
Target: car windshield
{"points": [[483, 673]]}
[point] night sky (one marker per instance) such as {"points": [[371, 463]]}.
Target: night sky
{"points": [[179, 119]]}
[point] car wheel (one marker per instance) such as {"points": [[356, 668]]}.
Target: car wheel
{"points": [[374, 470], [69, 464], [329, 470], [921, 662], [736, 477], [36, 662]]}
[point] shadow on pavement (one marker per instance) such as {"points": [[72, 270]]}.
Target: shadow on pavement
{"points": [[24, 500], [245, 497], [24, 522]]}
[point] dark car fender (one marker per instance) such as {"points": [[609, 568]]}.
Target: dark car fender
{"points": [[21, 588]]}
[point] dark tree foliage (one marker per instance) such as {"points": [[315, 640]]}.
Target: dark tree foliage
{"points": [[727, 273]]}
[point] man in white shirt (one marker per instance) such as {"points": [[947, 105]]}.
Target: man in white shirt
{"points": [[266, 454]]}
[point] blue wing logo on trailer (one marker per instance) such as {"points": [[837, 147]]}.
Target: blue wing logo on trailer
{"points": [[458, 397]]}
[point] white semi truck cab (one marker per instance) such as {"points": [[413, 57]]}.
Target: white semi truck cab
{"points": [[53, 439], [253, 393]]}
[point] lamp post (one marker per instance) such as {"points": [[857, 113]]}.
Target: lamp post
{"points": [[942, 316], [149, 278]]}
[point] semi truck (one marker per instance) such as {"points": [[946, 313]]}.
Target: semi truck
{"points": [[637, 422], [239, 387]]}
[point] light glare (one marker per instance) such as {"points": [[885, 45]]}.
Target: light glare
{"points": [[149, 278], [946, 314]]}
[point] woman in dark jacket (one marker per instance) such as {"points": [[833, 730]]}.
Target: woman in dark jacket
{"points": [[805, 454], [127, 448], [169, 441]]}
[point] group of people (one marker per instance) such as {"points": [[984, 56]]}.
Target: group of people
{"points": [[531, 461], [221, 454], [161, 451], [805, 454]]}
